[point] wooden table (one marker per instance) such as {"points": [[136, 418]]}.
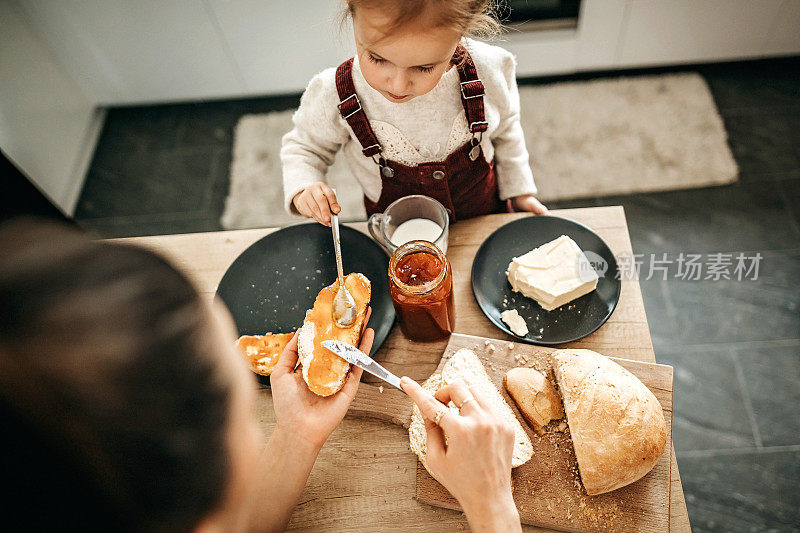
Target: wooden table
{"points": [[364, 477]]}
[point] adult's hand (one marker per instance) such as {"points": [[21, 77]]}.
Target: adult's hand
{"points": [[469, 452], [298, 410], [304, 422]]}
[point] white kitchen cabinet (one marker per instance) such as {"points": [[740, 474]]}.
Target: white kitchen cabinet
{"points": [[279, 46], [784, 37], [661, 32], [593, 45], [124, 51], [48, 125]]}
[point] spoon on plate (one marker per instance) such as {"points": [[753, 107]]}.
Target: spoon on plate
{"points": [[344, 306]]}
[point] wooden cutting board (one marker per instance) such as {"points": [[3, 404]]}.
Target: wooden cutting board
{"points": [[547, 489]]}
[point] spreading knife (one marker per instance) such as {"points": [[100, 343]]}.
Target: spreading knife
{"points": [[354, 356]]}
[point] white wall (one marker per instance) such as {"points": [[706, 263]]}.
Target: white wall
{"points": [[48, 126]]}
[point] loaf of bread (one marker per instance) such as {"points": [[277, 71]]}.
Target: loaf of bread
{"points": [[617, 424], [263, 351], [324, 371], [536, 398], [465, 366]]}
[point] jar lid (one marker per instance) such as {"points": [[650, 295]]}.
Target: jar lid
{"points": [[412, 247]]}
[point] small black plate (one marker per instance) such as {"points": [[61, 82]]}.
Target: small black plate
{"points": [[269, 287], [567, 323]]}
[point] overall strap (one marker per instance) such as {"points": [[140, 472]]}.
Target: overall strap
{"points": [[472, 91], [353, 113]]}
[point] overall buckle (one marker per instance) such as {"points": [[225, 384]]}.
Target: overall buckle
{"points": [[475, 91], [369, 152], [358, 102], [385, 169], [473, 125]]}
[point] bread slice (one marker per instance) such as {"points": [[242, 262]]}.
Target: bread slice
{"points": [[263, 351], [536, 398], [617, 425], [324, 371], [417, 435], [465, 366]]}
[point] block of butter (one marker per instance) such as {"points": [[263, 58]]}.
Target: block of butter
{"points": [[553, 274]]}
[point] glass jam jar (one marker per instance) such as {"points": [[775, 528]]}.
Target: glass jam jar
{"points": [[421, 286]]}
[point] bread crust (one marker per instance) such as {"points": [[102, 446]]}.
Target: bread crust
{"points": [[417, 435], [537, 398], [617, 425], [323, 371]]}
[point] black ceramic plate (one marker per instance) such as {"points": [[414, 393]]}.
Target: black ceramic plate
{"points": [[567, 323], [269, 287]]}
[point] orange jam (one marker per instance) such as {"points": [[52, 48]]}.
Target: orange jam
{"points": [[421, 286], [418, 268], [326, 368]]}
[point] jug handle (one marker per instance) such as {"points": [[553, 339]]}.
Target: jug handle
{"points": [[372, 226]]}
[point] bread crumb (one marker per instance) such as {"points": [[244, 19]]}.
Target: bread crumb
{"points": [[510, 345], [380, 389], [486, 343], [491, 347], [405, 469]]}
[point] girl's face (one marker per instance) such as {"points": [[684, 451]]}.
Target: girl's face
{"points": [[407, 63]]}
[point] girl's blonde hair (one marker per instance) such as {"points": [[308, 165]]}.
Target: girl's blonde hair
{"points": [[470, 18]]}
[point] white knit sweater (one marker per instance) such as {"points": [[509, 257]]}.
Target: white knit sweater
{"points": [[425, 129]]}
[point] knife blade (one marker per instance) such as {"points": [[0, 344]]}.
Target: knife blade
{"points": [[354, 356]]}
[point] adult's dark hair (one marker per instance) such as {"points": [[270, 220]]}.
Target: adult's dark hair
{"points": [[115, 411]]}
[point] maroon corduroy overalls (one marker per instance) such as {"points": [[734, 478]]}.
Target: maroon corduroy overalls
{"points": [[464, 183]]}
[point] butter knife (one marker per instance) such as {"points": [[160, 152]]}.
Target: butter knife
{"points": [[354, 356]]}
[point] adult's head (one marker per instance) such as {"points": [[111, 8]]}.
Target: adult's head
{"points": [[126, 406]]}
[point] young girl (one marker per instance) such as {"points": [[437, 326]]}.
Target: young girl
{"points": [[420, 109]]}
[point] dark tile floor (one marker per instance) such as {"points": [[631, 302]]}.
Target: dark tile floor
{"points": [[164, 169], [735, 345]]}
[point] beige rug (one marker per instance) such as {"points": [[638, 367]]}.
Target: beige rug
{"points": [[592, 138]]}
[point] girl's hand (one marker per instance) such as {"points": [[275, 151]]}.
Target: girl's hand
{"points": [[470, 453], [527, 202], [302, 413], [317, 201]]}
